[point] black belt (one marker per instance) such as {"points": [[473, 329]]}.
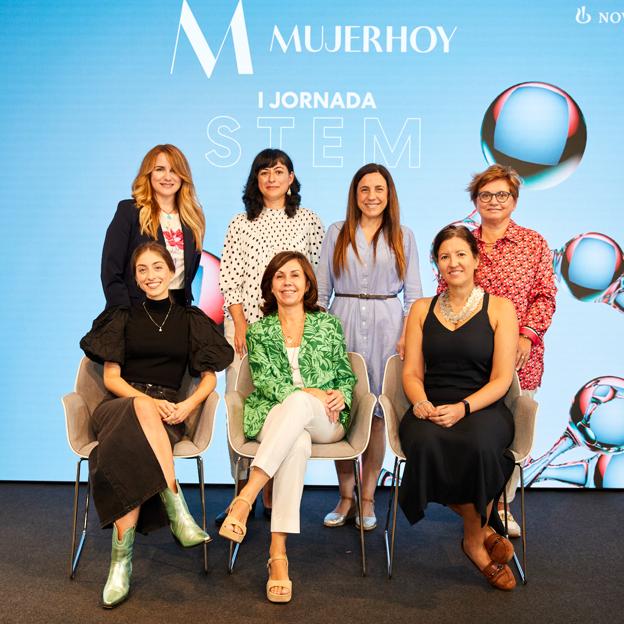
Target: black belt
{"points": [[364, 296], [156, 392]]}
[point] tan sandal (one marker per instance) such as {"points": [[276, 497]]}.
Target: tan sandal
{"points": [[271, 584], [227, 528]]}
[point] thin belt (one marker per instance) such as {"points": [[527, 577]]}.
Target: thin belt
{"points": [[364, 296], [156, 392]]}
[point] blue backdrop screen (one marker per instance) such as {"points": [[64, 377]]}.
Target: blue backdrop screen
{"points": [[433, 90]]}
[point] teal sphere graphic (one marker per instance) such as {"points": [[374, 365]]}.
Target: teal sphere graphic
{"points": [[537, 129]]}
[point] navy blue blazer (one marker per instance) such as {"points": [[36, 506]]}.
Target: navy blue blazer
{"points": [[123, 236]]}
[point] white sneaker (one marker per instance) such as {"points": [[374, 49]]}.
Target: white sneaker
{"points": [[513, 527]]}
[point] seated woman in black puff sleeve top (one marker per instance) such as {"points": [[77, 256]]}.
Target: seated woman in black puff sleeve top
{"points": [[145, 350]]}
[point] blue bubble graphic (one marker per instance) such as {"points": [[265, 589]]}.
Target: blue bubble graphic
{"points": [[537, 129]]}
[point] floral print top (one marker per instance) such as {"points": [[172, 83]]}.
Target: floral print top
{"points": [[323, 363], [174, 241]]}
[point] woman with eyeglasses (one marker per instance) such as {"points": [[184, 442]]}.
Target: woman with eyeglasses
{"points": [[515, 263]]}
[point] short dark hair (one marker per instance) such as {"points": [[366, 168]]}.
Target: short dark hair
{"points": [[454, 231], [156, 248], [252, 197], [279, 260]]}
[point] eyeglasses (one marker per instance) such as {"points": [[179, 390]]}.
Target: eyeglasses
{"points": [[486, 196]]}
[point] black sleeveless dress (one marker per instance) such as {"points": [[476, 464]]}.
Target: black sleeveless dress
{"points": [[468, 462]]}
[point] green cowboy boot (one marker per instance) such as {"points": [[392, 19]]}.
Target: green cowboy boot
{"points": [[183, 527], [117, 585]]}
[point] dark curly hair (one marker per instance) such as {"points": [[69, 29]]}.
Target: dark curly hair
{"points": [[252, 198], [279, 260]]}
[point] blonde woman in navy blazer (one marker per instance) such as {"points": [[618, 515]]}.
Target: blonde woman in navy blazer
{"points": [[164, 208]]}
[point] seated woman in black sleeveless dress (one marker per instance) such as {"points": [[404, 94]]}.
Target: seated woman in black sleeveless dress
{"points": [[146, 350], [459, 360]]}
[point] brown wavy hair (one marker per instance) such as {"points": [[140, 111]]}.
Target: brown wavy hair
{"points": [[156, 248], [454, 231], [278, 261], [189, 208], [390, 225], [252, 197], [492, 173]]}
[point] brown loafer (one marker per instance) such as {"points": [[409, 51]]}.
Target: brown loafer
{"points": [[499, 548], [498, 575]]}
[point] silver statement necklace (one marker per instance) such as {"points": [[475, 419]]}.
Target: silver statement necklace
{"points": [[472, 303], [153, 321]]}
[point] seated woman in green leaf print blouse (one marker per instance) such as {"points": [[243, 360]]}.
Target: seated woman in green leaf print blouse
{"points": [[304, 384]]}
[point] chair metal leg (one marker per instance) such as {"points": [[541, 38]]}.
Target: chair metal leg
{"points": [[74, 559], [523, 573], [358, 487], [520, 567], [395, 505], [505, 524], [233, 546], [202, 496], [387, 527]]}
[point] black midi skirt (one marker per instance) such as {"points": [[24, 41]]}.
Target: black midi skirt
{"points": [[466, 463], [123, 469]]}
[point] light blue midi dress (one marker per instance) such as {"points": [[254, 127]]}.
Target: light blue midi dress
{"points": [[372, 327]]}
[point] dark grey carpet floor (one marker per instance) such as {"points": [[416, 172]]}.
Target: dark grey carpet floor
{"points": [[576, 567]]}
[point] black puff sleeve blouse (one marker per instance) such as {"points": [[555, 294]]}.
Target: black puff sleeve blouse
{"points": [[132, 339]]}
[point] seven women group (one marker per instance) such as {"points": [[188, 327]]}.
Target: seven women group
{"points": [[280, 272]]}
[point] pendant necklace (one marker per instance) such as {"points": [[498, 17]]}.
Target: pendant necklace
{"points": [[168, 215], [473, 301], [153, 321], [289, 339], [292, 357]]}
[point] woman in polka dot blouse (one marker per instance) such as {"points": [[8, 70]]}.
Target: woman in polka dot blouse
{"points": [[273, 221]]}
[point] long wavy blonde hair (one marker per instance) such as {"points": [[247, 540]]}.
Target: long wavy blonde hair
{"points": [[189, 208]]}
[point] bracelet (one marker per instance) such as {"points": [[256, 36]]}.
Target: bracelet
{"points": [[531, 334], [466, 407], [419, 403]]}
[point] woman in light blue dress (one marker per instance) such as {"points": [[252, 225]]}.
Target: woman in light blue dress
{"points": [[366, 261]]}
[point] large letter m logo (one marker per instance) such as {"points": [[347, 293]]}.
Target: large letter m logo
{"points": [[201, 48]]}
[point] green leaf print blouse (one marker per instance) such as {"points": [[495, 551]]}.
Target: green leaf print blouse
{"points": [[323, 362]]}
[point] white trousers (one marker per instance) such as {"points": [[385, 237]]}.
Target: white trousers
{"points": [[285, 447], [514, 480], [231, 373]]}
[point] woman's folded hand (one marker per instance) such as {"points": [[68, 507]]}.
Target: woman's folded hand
{"points": [[448, 415]]}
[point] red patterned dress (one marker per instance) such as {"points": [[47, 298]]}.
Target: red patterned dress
{"points": [[519, 268]]}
